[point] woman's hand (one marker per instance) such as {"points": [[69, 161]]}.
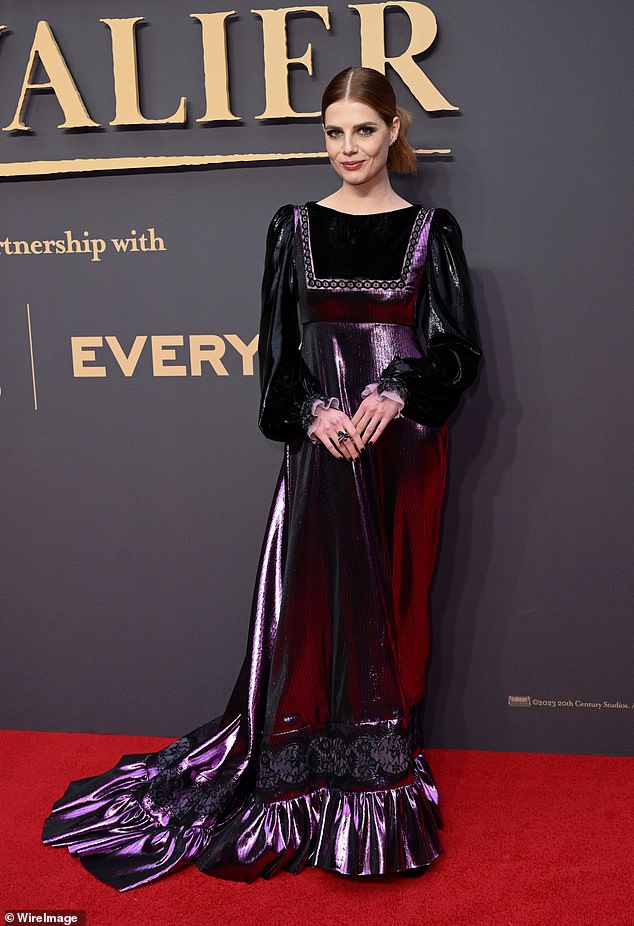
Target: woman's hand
{"points": [[332, 420], [373, 415]]}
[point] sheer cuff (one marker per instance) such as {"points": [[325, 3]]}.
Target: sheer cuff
{"points": [[389, 389], [308, 417]]}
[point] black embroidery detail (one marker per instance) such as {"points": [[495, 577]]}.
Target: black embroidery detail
{"points": [[362, 758], [358, 284], [305, 414], [173, 793], [391, 379], [177, 790], [392, 384], [166, 757]]}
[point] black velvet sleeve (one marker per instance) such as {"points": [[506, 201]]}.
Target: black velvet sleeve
{"points": [[447, 331], [287, 386]]}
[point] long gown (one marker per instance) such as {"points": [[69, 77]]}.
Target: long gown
{"points": [[318, 758]]}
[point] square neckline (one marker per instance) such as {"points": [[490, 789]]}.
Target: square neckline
{"points": [[313, 202], [354, 283]]}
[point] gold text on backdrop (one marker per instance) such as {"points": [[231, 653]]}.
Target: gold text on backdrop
{"points": [[127, 96], [202, 348]]}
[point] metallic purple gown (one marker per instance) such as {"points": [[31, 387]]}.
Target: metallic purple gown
{"points": [[318, 758]]}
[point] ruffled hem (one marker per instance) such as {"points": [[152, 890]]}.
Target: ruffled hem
{"points": [[349, 832], [119, 841]]}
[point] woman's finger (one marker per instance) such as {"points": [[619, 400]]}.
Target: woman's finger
{"points": [[330, 442], [328, 435], [331, 422], [355, 435], [378, 430], [360, 419], [348, 447], [352, 446], [332, 445], [365, 411], [381, 417], [371, 429]]}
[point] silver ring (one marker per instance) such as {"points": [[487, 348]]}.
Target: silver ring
{"points": [[342, 436]]}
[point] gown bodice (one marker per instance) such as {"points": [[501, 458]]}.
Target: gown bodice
{"points": [[404, 267], [359, 268]]}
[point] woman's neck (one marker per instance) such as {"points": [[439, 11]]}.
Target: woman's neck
{"points": [[362, 199]]}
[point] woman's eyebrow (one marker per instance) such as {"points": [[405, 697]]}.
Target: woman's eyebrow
{"points": [[357, 126]]}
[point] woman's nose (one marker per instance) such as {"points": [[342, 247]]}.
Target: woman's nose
{"points": [[349, 145]]}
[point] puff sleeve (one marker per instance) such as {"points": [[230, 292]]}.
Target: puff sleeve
{"points": [[447, 330], [288, 389]]}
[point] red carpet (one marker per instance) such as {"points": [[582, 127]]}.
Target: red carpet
{"points": [[529, 839]]}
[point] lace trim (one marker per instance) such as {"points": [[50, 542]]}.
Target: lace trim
{"points": [[166, 757], [306, 415], [315, 282], [367, 759], [385, 394], [363, 758], [172, 793], [393, 384], [391, 380]]}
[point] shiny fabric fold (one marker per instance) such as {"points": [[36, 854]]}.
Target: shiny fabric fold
{"points": [[107, 827], [286, 384], [447, 327]]}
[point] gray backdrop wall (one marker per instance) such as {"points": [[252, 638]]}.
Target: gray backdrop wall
{"points": [[133, 507]]}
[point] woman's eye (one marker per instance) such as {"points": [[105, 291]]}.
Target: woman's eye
{"points": [[364, 130]]}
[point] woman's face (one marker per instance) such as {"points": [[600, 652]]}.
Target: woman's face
{"points": [[357, 140]]}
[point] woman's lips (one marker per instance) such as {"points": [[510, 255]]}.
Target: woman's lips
{"points": [[352, 165]]}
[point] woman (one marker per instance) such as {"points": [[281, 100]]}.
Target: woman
{"points": [[318, 758]]}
